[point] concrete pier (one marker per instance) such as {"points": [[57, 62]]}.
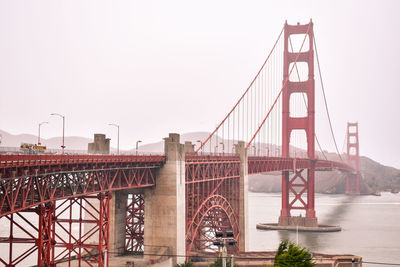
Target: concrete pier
{"points": [[165, 220], [241, 150], [118, 221], [100, 145]]}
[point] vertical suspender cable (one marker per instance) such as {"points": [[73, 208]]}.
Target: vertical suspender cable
{"points": [[326, 104], [305, 103]]}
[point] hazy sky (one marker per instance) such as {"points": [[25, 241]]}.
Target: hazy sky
{"points": [[156, 67]]}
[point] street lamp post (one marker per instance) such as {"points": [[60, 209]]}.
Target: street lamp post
{"points": [[137, 145], [63, 118], [44, 122], [116, 125], [223, 242], [201, 145], [223, 148]]}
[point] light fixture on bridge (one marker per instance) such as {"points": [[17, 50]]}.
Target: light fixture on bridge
{"points": [[137, 145], [201, 145], [116, 125], [40, 124], [223, 147], [63, 118]]}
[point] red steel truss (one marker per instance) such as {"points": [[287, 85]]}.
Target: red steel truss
{"points": [[48, 188], [353, 159], [134, 240], [72, 229], [81, 230], [212, 199], [26, 237], [271, 164], [31, 180], [212, 192]]}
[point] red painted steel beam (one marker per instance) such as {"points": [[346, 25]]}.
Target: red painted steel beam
{"points": [[134, 239], [20, 165], [212, 199], [272, 164], [28, 181]]}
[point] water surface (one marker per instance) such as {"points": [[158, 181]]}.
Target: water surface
{"points": [[370, 225]]}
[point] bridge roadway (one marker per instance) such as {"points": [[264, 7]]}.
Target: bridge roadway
{"points": [[30, 180]]}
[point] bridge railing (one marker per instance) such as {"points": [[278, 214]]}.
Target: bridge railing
{"points": [[271, 164], [18, 160]]}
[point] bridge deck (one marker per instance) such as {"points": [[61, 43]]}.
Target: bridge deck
{"points": [[27, 181], [30, 180]]}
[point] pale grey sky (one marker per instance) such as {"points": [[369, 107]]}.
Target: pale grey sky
{"points": [[156, 67]]}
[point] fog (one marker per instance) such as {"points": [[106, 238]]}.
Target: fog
{"points": [[155, 67]]}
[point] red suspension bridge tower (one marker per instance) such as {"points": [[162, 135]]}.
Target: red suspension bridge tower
{"points": [[302, 180], [353, 159]]}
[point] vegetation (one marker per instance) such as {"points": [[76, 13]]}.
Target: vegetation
{"points": [[185, 264], [218, 263], [289, 254]]}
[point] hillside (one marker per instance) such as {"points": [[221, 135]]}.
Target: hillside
{"points": [[71, 142], [375, 178]]}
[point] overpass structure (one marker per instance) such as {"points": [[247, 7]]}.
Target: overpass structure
{"points": [[88, 207]]}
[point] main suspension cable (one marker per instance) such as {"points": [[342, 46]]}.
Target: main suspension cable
{"points": [[244, 94], [280, 92], [326, 104]]}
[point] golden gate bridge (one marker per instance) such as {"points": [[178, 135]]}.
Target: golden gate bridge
{"points": [[74, 199]]}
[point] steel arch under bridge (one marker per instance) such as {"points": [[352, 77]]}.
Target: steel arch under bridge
{"points": [[212, 199], [213, 192]]}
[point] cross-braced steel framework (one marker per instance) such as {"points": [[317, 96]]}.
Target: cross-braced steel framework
{"points": [[27, 237], [81, 230], [71, 229], [212, 199], [134, 241], [29, 181], [40, 196]]}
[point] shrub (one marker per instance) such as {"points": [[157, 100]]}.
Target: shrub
{"points": [[289, 254]]}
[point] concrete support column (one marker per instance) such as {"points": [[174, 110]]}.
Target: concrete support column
{"points": [[243, 201], [165, 220], [118, 221]]}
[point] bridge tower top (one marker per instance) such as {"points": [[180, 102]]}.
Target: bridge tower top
{"points": [[353, 158], [290, 66], [353, 152]]}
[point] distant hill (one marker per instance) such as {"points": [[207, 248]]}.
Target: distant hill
{"points": [[159, 146], [71, 142], [376, 177]]}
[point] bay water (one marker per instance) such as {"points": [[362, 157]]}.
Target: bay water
{"points": [[370, 226]]}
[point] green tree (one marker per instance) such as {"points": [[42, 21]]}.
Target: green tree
{"points": [[289, 254], [186, 264]]}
